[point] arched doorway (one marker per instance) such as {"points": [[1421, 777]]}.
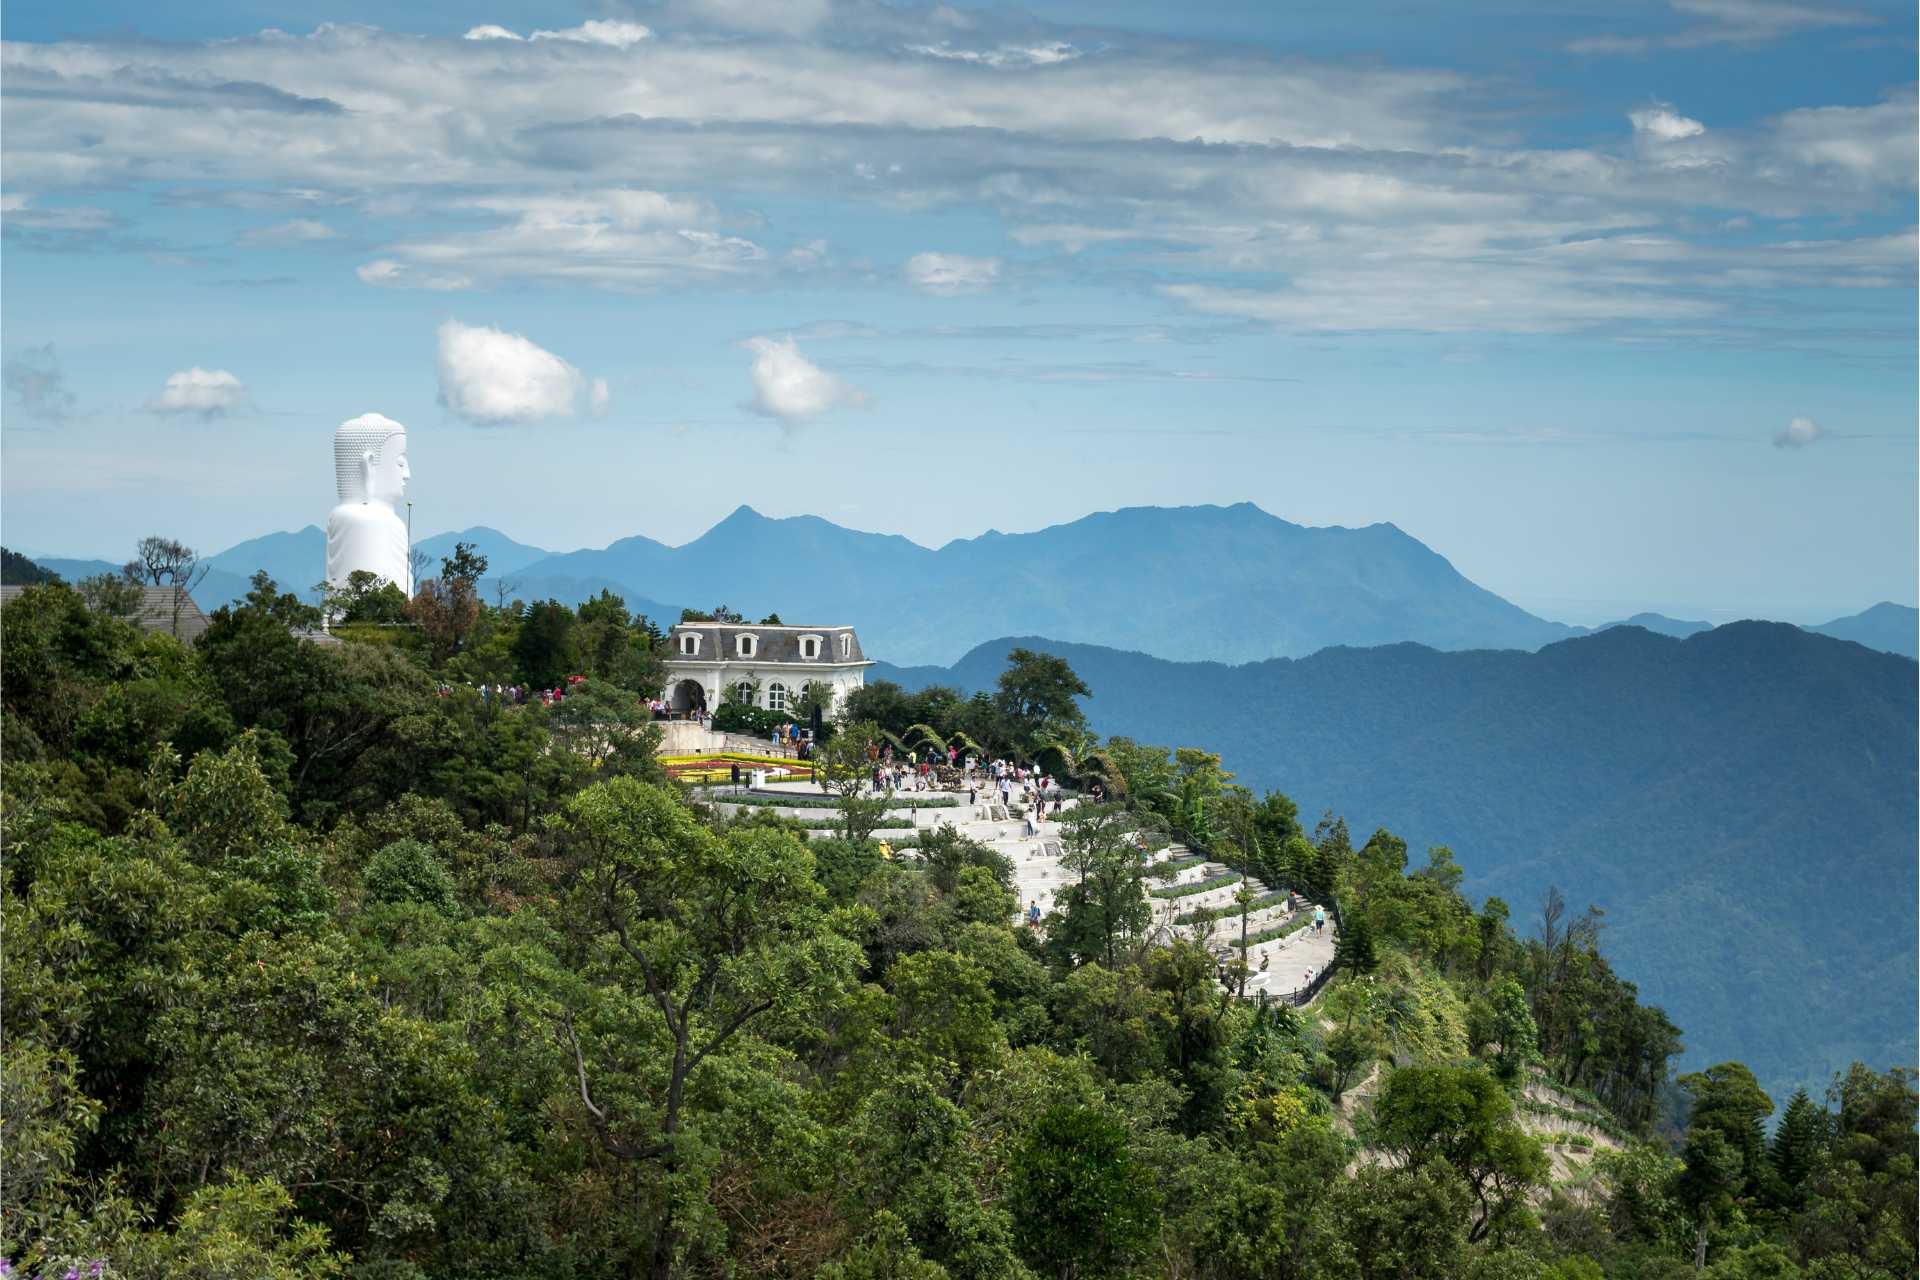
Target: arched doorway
{"points": [[688, 695]]}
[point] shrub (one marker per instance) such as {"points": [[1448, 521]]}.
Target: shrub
{"points": [[1277, 931], [409, 871], [1220, 881], [1205, 914]]}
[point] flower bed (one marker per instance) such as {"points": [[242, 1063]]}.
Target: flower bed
{"points": [[719, 766], [1199, 886]]}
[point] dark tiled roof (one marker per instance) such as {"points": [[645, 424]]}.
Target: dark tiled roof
{"points": [[156, 611], [776, 644]]}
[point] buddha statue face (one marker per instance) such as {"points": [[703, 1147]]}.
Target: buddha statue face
{"points": [[370, 460]]}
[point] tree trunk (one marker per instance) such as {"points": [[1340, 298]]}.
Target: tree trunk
{"points": [[1700, 1246], [666, 1235]]}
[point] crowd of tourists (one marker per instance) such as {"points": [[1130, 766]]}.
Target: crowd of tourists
{"points": [[515, 695], [1029, 792]]}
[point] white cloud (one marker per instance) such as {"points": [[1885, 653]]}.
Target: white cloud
{"points": [[388, 274], [621, 238], [790, 387], [1035, 55], [1220, 169], [1798, 434], [1664, 123], [296, 231], [951, 273], [491, 377], [1734, 22], [1753, 21], [20, 211], [611, 33], [209, 393]]}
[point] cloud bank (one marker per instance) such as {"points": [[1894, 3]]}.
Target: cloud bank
{"points": [[1241, 184]]}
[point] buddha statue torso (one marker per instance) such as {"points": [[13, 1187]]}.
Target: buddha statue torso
{"points": [[365, 531]]}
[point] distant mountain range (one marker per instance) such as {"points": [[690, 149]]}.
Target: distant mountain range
{"points": [[1741, 802], [1226, 584]]}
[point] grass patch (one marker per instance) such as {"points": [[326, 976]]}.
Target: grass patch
{"points": [[1199, 886]]}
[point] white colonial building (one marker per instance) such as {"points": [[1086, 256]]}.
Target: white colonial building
{"points": [[763, 665]]}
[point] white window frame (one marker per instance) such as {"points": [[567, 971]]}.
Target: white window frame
{"points": [[811, 648], [776, 696], [746, 646], [690, 644], [846, 646], [743, 692]]}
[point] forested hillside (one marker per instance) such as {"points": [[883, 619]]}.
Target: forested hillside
{"points": [[1741, 802], [318, 964]]}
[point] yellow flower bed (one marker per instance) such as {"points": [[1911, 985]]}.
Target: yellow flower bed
{"points": [[719, 765], [734, 755]]}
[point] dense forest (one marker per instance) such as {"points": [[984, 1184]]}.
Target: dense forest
{"points": [[320, 964], [1741, 803]]}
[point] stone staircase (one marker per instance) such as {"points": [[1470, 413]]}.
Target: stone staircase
{"points": [[1279, 966]]}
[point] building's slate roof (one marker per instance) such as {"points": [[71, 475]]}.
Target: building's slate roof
{"points": [[156, 611], [777, 644]]}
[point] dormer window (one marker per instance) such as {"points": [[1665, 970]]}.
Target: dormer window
{"points": [[846, 646], [810, 647], [747, 646], [690, 645]]}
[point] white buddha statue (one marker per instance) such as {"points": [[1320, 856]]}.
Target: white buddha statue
{"points": [[365, 531]]}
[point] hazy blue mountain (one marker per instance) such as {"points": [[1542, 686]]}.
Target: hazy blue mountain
{"points": [[529, 588], [1892, 628], [1660, 624], [1230, 583], [504, 555], [295, 560], [74, 572], [1741, 802]]}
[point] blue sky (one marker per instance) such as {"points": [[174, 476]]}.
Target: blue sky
{"points": [[1547, 285]]}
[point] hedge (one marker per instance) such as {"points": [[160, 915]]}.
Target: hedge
{"points": [[1199, 886], [1278, 931], [823, 802], [1205, 914]]}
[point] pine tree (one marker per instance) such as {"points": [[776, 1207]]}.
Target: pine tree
{"points": [[1353, 951], [1802, 1135]]}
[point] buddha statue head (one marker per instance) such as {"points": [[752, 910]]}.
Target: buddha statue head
{"points": [[370, 460]]}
